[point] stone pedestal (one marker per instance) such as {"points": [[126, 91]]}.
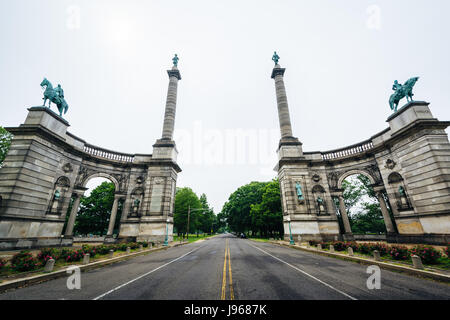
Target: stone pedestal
{"points": [[29, 216]]}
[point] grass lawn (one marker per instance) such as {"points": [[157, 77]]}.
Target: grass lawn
{"points": [[193, 237]]}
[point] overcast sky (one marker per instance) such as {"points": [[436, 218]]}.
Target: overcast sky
{"points": [[111, 57]]}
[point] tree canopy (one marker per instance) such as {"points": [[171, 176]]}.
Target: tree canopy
{"points": [[362, 206], [5, 143], [255, 207], [95, 211]]}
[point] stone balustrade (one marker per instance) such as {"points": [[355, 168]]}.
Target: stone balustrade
{"points": [[347, 151], [107, 154]]}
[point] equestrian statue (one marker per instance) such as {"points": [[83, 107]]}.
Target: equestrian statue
{"points": [[402, 91], [55, 95]]}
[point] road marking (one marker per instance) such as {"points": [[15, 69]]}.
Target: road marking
{"points": [[305, 273], [141, 276], [224, 274], [231, 279]]}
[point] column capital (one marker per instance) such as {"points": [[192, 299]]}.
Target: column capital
{"points": [[174, 73], [277, 70], [79, 191], [119, 195]]}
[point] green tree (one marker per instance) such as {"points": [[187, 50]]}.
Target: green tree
{"points": [[237, 208], [362, 206], [5, 143], [267, 216], [95, 211], [185, 198], [208, 218]]}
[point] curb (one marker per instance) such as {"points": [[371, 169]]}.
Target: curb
{"points": [[384, 265], [18, 283]]}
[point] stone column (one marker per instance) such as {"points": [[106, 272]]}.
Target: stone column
{"points": [[283, 109], [171, 104], [73, 214], [112, 219], [385, 212], [343, 211]]}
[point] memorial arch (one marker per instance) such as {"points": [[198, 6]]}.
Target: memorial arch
{"points": [[407, 164], [47, 166]]}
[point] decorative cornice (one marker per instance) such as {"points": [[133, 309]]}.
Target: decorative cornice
{"points": [[174, 73], [277, 71]]}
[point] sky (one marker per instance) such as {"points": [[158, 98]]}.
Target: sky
{"points": [[111, 57]]}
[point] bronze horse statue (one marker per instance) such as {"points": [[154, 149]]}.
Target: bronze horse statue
{"points": [[54, 95], [402, 91]]}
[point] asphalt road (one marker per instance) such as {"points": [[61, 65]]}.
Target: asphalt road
{"points": [[257, 270]]}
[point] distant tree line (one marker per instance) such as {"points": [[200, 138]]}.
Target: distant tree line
{"points": [[255, 209], [201, 216]]}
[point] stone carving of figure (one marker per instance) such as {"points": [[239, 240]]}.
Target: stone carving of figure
{"points": [[299, 191], [175, 60], [59, 91], [275, 57], [136, 204], [396, 85], [403, 197]]}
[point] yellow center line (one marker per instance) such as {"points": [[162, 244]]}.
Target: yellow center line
{"points": [[231, 279], [224, 279]]}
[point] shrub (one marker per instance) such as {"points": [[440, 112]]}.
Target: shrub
{"points": [[447, 251], [363, 248], [339, 245], [89, 249], [144, 243], [122, 246], [2, 263], [381, 247], [133, 245], [24, 261], [103, 249], [429, 255], [352, 244], [48, 253], [398, 252], [313, 242], [70, 255]]}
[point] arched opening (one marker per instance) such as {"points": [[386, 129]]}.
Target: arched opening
{"points": [[362, 208], [98, 211]]}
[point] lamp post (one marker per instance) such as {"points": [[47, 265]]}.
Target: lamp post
{"points": [[291, 240], [166, 241]]}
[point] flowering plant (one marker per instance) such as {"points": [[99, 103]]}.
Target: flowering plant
{"points": [[24, 261], [429, 255], [398, 252]]}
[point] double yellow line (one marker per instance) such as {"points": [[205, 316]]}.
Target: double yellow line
{"points": [[224, 278]]}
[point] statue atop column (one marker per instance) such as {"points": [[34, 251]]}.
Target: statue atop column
{"points": [[402, 91], [55, 95], [175, 60], [275, 57]]}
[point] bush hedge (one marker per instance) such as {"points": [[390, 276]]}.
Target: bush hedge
{"points": [[24, 261], [428, 254]]}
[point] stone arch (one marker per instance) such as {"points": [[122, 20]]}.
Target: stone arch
{"points": [[353, 172], [394, 177], [102, 175], [318, 189]]}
